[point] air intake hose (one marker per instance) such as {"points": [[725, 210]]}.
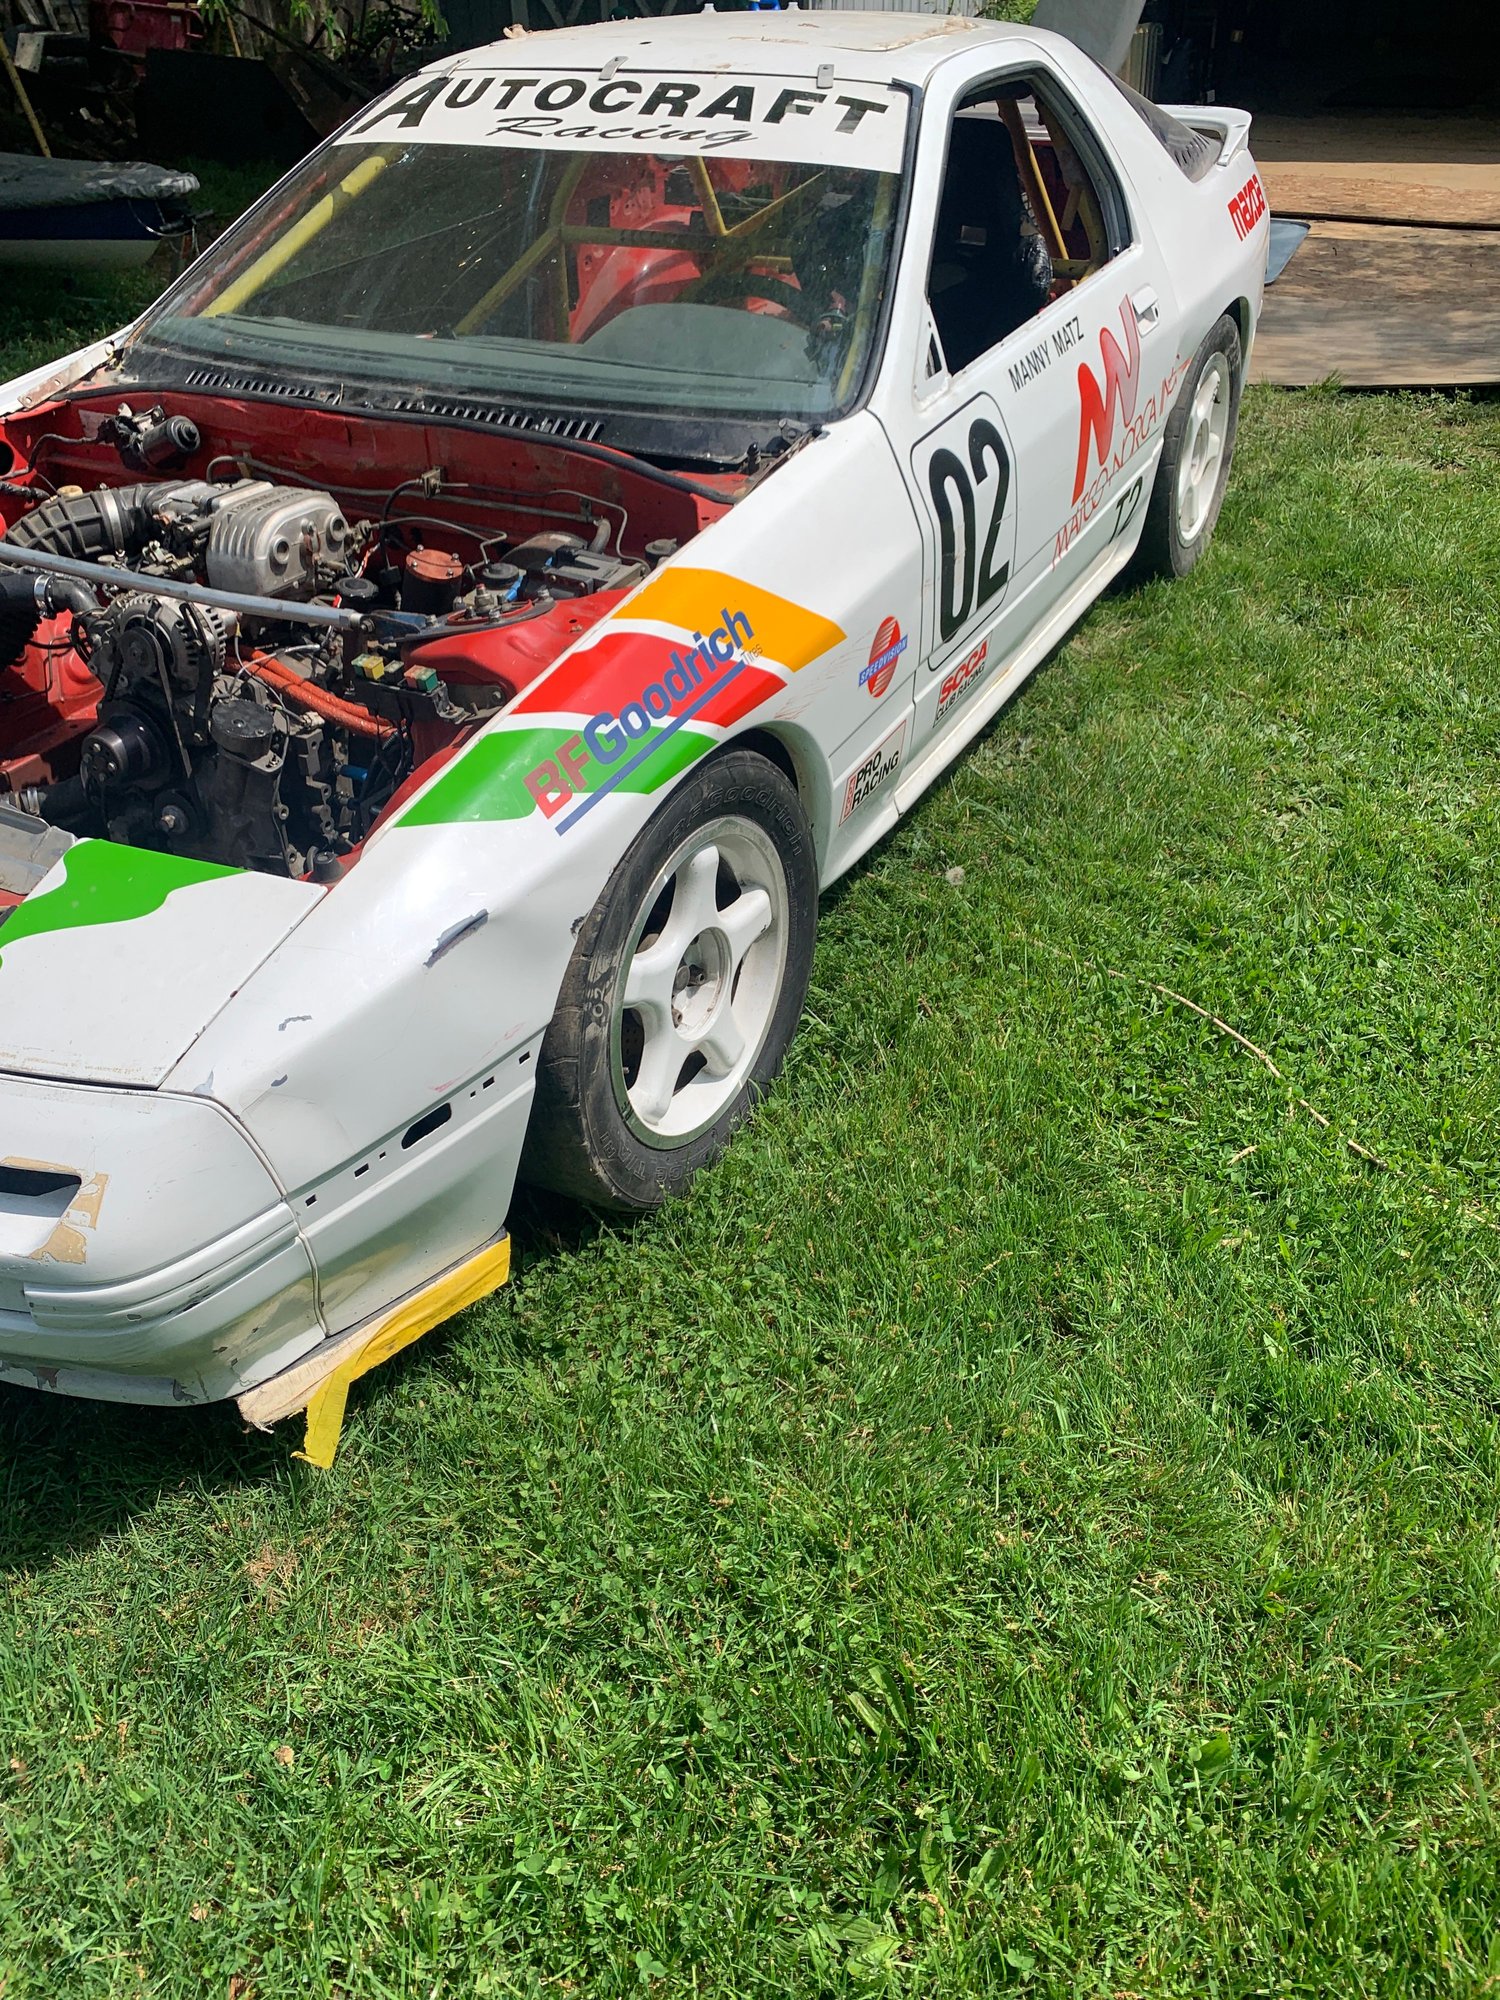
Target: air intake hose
{"points": [[115, 520]]}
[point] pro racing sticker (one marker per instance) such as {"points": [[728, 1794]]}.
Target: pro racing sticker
{"points": [[882, 764]]}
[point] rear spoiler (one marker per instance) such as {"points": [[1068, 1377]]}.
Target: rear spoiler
{"points": [[1230, 128]]}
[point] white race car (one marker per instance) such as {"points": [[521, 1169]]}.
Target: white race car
{"points": [[449, 641]]}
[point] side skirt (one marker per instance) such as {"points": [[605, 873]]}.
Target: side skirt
{"points": [[986, 705]]}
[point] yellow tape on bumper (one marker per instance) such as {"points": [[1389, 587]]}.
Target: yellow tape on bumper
{"points": [[400, 1327]]}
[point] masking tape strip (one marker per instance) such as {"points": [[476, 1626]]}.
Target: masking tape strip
{"points": [[417, 1315]]}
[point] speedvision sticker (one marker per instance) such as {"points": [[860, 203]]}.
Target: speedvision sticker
{"points": [[768, 118]]}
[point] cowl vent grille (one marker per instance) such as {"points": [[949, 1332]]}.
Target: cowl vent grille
{"points": [[220, 381], [584, 429], [223, 382]]}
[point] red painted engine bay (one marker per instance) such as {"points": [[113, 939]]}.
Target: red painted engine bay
{"points": [[462, 559]]}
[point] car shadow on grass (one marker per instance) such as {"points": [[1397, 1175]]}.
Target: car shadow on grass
{"points": [[73, 1472]]}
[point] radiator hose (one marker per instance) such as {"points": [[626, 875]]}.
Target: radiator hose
{"points": [[25, 600]]}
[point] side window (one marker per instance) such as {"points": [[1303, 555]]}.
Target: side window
{"points": [[1022, 218]]}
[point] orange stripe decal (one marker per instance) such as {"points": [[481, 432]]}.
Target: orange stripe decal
{"points": [[696, 600]]}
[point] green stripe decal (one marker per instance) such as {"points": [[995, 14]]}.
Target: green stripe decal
{"points": [[104, 883], [488, 781]]}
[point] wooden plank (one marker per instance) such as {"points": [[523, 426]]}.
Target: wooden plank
{"points": [[1425, 171], [1311, 193], [1384, 307]]}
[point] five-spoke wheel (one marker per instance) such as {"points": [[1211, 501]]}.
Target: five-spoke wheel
{"points": [[683, 990], [698, 991], [1196, 449]]}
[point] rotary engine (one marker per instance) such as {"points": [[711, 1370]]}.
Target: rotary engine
{"points": [[248, 535], [270, 728], [213, 736]]}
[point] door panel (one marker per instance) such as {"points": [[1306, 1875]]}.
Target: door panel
{"points": [[1036, 454], [1096, 431], [963, 481]]}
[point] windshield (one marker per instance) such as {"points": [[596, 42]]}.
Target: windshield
{"points": [[707, 281]]}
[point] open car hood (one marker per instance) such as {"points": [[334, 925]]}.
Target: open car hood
{"points": [[119, 958]]}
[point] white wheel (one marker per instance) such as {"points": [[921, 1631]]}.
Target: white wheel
{"points": [[1203, 448], [698, 988], [1195, 456], [683, 990]]}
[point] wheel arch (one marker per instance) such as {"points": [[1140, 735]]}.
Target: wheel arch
{"points": [[1243, 315], [796, 754]]}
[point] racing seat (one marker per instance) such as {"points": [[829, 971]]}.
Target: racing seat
{"points": [[987, 277]]}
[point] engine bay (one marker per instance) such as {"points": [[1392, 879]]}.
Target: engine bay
{"points": [[240, 633]]}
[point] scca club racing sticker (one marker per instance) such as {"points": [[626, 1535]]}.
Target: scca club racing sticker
{"points": [[882, 764], [962, 679], [889, 645], [772, 118]]}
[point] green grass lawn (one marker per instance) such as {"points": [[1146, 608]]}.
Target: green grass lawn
{"points": [[1027, 1523], [46, 314]]}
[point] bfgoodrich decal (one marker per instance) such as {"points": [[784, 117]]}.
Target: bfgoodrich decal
{"points": [[773, 118], [618, 741]]}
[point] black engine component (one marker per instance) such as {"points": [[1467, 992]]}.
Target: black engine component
{"points": [[25, 600], [244, 728], [20, 615], [159, 642], [123, 750], [566, 566], [191, 750], [431, 582], [239, 730], [194, 754], [116, 520], [154, 442]]}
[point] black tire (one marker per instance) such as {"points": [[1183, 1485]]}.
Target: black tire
{"points": [[1170, 544], [588, 1138]]}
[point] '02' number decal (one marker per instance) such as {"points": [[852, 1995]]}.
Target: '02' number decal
{"points": [[964, 490]]}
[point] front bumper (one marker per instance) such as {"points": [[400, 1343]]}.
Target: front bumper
{"points": [[146, 1252]]}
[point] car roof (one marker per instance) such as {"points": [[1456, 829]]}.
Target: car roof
{"points": [[873, 47]]}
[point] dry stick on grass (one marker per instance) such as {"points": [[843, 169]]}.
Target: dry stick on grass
{"points": [[1471, 1208], [1265, 1062]]}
